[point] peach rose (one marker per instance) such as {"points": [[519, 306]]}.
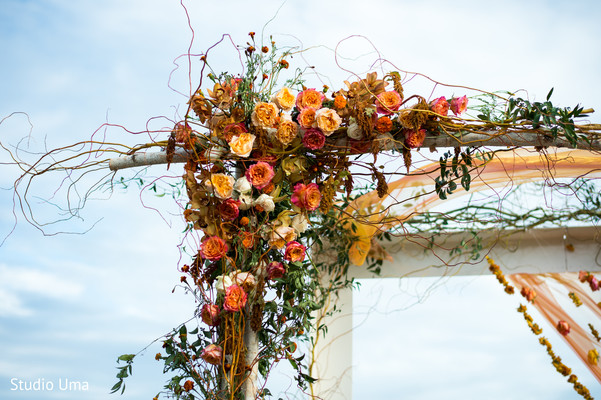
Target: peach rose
{"points": [[294, 252], [235, 298], [241, 145], [265, 115], [306, 197], [284, 99], [260, 174], [287, 132], [388, 102], [213, 248], [528, 293], [221, 184], [306, 118], [212, 354], [327, 120], [440, 106], [244, 279], [282, 235], [210, 314], [459, 105], [309, 98]]}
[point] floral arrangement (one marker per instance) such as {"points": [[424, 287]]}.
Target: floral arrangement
{"points": [[265, 165]]}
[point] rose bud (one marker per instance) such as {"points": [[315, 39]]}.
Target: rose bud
{"points": [[563, 327]]}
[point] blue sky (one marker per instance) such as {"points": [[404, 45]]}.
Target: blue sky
{"points": [[70, 304]]}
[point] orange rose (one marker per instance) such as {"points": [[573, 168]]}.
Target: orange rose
{"points": [[327, 120], [265, 115], [284, 99], [213, 248], [248, 240], [287, 132], [306, 118], [242, 145], [383, 124], [309, 98], [414, 139], [306, 196], [222, 185], [235, 298], [388, 102], [260, 174], [232, 130]]}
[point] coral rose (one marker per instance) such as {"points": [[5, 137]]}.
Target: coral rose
{"points": [[229, 209], [265, 115], [287, 132], [414, 139], [528, 293], [327, 120], [314, 139], [440, 106], [260, 174], [275, 270], [212, 354], [284, 99], [306, 118], [459, 105], [210, 314], [221, 184], [242, 145], [306, 197], [583, 276], [213, 248], [309, 98], [388, 102], [235, 298], [294, 252]]}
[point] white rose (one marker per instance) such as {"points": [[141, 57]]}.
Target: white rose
{"points": [[222, 283], [354, 130], [246, 201], [265, 201], [242, 185]]}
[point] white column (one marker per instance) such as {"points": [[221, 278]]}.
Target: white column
{"points": [[333, 352]]}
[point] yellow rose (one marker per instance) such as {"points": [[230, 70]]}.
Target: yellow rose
{"points": [[287, 132], [327, 120], [222, 185], [241, 145], [265, 115], [284, 99]]}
